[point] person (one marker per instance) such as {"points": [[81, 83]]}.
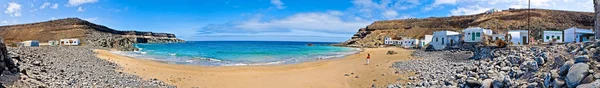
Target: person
{"points": [[368, 58]]}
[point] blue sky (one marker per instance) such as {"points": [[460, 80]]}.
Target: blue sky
{"points": [[256, 20]]}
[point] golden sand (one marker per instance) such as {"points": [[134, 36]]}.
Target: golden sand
{"points": [[316, 74]]}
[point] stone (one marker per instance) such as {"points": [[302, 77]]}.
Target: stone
{"points": [[487, 83], [531, 66], [564, 69], [346, 75], [473, 83], [540, 61], [558, 83], [588, 79], [356, 76], [582, 59], [576, 73], [595, 84], [547, 80], [532, 85]]}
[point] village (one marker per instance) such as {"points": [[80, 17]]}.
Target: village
{"points": [[62, 42], [448, 39]]}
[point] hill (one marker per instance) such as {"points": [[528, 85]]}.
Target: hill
{"points": [[499, 22], [89, 33]]}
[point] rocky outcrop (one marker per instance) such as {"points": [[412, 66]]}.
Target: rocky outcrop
{"points": [[89, 33], [499, 22], [7, 67]]}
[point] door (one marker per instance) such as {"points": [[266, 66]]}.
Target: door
{"points": [[524, 40], [580, 38], [472, 36], [451, 42], [443, 41]]}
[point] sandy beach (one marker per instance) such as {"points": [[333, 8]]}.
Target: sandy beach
{"points": [[316, 74]]}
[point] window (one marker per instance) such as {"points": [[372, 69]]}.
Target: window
{"points": [[477, 34], [553, 36], [436, 39], [557, 37], [547, 37]]}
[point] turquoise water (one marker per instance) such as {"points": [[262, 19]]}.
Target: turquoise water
{"points": [[237, 53]]}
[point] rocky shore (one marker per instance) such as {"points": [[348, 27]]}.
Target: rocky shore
{"points": [[557, 66], [70, 66]]}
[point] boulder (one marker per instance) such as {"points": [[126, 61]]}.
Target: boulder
{"points": [[582, 59], [531, 66], [595, 84], [576, 74], [540, 61], [558, 83], [548, 80], [565, 68], [487, 83], [473, 83], [588, 79]]}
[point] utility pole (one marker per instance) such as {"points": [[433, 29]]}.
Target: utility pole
{"points": [[528, 20], [596, 16]]}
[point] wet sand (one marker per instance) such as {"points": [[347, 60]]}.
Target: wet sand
{"points": [[316, 74]]}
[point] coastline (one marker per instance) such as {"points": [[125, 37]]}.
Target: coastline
{"points": [[328, 73]]}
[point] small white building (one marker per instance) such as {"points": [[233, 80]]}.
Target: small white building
{"points": [[498, 37], [441, 39], [425, 40], [70, 42], [30, 43], [519, 37], [549, 36], [53, 43], [492, 11], [578, 35], [475, 34], [408, 43]]}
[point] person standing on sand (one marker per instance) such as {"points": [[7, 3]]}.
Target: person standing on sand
{"points": [[368, 58]]}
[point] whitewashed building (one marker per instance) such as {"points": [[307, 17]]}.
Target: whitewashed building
{"points": [[549, 36], [442, 39], [425, 40], [408, 43], [498, 37], [70, 42], [578, 35], [519, 37], [30, 43], [475, 34]]}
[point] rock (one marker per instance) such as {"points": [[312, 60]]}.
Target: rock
{"points": [[346, 75], [595, 84], [530, 66], [582, 59], [576, 74], [356, 76], [588, 79], [540, 60], [548, 80], [487, 83], [37, 63], [564, 69], [473, 83], [558, 83]]}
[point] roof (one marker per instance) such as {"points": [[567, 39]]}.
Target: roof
{"points": [[31, 41], [579, 30], [447, 32], [552, 31], [474, 28], [518, 31]]}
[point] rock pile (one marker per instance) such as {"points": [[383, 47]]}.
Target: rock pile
{"points": [[71, 66], [568, 65], [9, 71], [107, 40]]}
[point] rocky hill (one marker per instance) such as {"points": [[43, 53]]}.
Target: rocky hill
{"points": [[89, 33], [499, 22]]}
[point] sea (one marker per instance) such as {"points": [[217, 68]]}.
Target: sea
{"points": [[239, 53]]}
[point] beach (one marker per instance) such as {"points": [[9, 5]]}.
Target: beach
{"points": [[345, 72]]}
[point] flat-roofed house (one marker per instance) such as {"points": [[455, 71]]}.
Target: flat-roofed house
{"points": [[550, 36], [575, 34], [442, 39], [519, 37], [70, 42], [30, 43], [475, 34]]}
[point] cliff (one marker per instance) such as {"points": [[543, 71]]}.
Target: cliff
{"points": [[89, 33], [499, 22]]}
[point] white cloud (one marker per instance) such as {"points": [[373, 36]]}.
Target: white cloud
{"points": [[390, 14], [470, 10], [80, 9], [55, 6], [383, 8], [467, 6], [79, 2], [46, 4], [13, 9], [4, 22], [440, 2], [278, 4], [91, 19]]}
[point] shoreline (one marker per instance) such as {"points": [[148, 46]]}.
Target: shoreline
{"points": [[212, 62], [321, 73]]}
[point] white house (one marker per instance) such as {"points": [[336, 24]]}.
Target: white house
{"points": [[492, 11], [425, 41], [30, 43], [70, 42], [553, 35], [441, 39], [475, 34], [407, 43], [519, 37], [498, 37], [577, 35]]}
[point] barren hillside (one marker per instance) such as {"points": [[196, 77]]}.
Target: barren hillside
{"points": [[499, 22]]}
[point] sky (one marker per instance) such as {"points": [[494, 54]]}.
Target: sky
{"points": [[257, 20]]}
